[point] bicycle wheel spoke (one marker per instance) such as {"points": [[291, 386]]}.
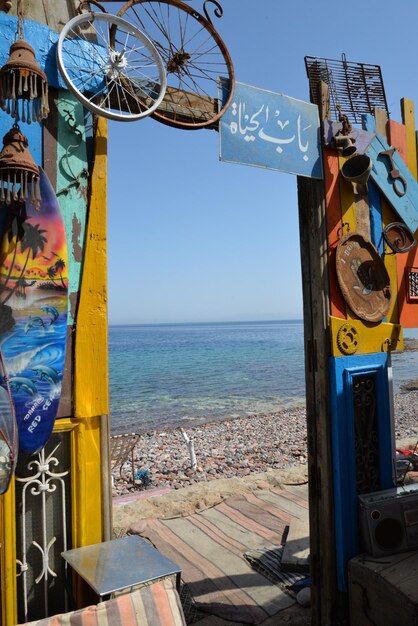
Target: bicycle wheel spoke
{"points": [[112, 67], [198, 89], [195, 57]]}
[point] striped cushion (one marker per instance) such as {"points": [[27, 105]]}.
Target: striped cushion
{"points": [[154, 605]]}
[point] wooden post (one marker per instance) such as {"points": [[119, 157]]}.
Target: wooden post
{"points": [[316, 311]]}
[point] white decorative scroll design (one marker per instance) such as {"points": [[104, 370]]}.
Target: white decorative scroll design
{"points": [[41, 483]]}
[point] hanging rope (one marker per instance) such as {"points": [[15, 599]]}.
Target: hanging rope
{"points": [[20, 33]]}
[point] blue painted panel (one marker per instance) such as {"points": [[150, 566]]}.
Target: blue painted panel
{"points": [[270, 130], [42, 39], [32, 132], [407, 205], [368, 122], [343, 371], [375, 206], [44, 42]]}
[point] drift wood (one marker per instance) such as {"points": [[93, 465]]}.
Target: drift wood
{"points": [[190, 447]]}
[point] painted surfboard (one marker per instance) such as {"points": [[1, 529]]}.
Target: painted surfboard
{"points": [[33, 314]]}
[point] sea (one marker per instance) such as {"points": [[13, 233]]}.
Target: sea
{"points": [[170, 375]]}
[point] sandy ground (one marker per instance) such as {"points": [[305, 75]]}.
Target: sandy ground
{"points": [[128, 512]]}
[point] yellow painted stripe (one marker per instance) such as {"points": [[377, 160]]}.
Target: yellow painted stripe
{"points": [[348, 212], [358, 337], [408, 118], [348, 207], [389, 258], [8, 557], [91, 345]]}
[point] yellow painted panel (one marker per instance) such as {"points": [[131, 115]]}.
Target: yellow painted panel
{"points": [[91, 394], [391, 265], [358, 337], [8, 557], [348, 211], [408, 118], [86, 478], [348, 207]]}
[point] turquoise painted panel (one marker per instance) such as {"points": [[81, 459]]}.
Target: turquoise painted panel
{"points": [[406, 206], [72, 181], [343, 371]]}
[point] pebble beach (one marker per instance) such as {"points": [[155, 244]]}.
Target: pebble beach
{"points": [[234, 448]]}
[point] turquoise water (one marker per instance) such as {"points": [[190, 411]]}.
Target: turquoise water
{"points": [[181, 374], [164, 375]]}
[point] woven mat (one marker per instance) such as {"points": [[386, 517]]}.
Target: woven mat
{"points": [[268, 561], [209, 547]]}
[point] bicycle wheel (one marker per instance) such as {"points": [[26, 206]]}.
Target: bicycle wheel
{"points": [[194, 57], [111, 66]]}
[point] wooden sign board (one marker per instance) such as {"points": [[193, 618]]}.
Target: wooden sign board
{"points": [[270, 130]]}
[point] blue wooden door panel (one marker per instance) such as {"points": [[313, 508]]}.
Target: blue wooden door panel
{"points": [[343, 371]]}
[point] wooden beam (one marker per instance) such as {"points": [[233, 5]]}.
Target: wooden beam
{"points": [[408, 118], [91, 394], [316, 309]]}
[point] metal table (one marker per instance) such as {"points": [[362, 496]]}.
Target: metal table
{"points": [[120, 564]]}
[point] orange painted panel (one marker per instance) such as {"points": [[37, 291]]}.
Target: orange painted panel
{"points": [[397, 138], [333, 204], [407, 310]]}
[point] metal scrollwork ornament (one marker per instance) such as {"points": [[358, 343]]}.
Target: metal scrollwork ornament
{"points": [[218, 10]]}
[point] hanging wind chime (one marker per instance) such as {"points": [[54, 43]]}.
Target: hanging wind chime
{"points": [[19, 175], [23, 85], [24, 95]]}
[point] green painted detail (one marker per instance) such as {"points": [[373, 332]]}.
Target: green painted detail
{"points": [[72, 182]]}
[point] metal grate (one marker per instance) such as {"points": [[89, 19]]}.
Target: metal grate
{"points": [[366, 433], [43, 528], [413, 283], [356, 87]]}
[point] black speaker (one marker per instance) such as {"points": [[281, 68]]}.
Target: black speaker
{"points": [[389, 520]]}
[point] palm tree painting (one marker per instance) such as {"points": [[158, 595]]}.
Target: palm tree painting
{"points": [[59, 266], [52, 272], [33, 241]]}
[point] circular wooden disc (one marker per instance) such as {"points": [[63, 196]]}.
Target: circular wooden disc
{"points": [[363, 278]]}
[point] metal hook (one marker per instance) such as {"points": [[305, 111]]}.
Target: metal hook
{"points": [[88, 2], [218, 11]]}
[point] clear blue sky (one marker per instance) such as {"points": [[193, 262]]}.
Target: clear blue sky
{"points": [[191, 238]]}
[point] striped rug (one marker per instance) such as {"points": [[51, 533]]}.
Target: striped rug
{"points": [[210, 546]]}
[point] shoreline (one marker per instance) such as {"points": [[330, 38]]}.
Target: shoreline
{"points": [[235, 447]]}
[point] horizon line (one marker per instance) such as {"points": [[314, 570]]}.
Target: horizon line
{"points": [[189, 323]]}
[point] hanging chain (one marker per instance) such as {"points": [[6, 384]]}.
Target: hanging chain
{"points": [[20, 21]]}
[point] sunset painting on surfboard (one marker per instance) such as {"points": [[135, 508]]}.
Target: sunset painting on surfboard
{"points": [[33, 313]]}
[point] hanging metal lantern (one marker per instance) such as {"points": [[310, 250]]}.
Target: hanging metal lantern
{"points": [[23, 85], [19, 175]]}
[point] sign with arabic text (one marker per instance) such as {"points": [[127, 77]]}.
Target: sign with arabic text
{"points": [[270, 130]]}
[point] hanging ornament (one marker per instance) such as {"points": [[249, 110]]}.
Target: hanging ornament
{"points": [[23, 85], [19, 175]]}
